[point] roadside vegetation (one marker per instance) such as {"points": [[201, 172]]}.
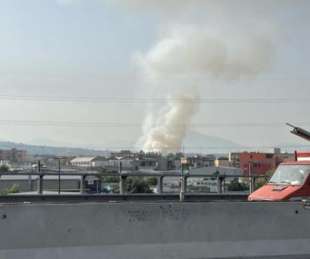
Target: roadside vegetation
{"points": [[110, 184], [4, 169], [11, 190], [236, 186]]}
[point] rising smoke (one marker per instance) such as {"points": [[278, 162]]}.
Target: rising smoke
{"points": [[185, 54], [188, 52], [166, 132]]}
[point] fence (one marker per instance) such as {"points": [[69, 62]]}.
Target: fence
{"points": [[40, 179]]}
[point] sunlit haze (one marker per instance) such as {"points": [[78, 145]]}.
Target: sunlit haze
{"points": [[106, 74]]}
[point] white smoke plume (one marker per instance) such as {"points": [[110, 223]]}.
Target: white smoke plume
{"points": [[188, 53], [166, 132]]}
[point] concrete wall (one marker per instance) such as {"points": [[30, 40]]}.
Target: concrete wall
{"points": [[140, 230]]}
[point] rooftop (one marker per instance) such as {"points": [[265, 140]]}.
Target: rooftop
{"points": [[83, 159]]}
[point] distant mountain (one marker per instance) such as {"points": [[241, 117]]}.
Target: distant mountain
{"points": [[196, 142], [51, 150]]}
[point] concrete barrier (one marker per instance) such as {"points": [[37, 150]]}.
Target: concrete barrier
{"points": [[141, 230]]}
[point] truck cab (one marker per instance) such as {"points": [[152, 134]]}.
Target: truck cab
{"points": [[290, 181]]}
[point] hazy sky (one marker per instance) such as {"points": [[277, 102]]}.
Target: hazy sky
{"points": [[64, 63]]}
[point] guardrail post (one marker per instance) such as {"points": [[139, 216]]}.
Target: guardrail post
{"points": [[160, 184], [219, 184], [82, 184], [183, 188], [185, 184], [252, 184], [98, 185], [121, 179], [121, 184], [40, 184]]}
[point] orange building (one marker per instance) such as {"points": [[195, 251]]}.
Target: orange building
{"points": [[258, 163]]}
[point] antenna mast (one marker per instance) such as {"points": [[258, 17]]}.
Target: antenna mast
{"points": [[302, 133]]}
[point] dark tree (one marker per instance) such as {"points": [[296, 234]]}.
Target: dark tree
{"points": [[236, 186], [137, 185], [4, 169]]}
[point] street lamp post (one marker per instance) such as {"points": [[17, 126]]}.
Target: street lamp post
{"points": [[59, 173], [183, 179]]}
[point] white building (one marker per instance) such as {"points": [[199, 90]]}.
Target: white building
{"points": [[87, 162]]}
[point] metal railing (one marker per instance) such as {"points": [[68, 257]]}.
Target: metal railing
{"points": [[182, 178]]}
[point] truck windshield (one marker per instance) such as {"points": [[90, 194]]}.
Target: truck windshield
{"points": [[290, 174]]}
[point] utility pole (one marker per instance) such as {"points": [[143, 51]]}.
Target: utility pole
{"points": [[40, 179], [121, 179], [183, 179], [59, 173], [251, 177]]}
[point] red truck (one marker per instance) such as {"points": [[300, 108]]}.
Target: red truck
{"points": [[291, 180]]}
